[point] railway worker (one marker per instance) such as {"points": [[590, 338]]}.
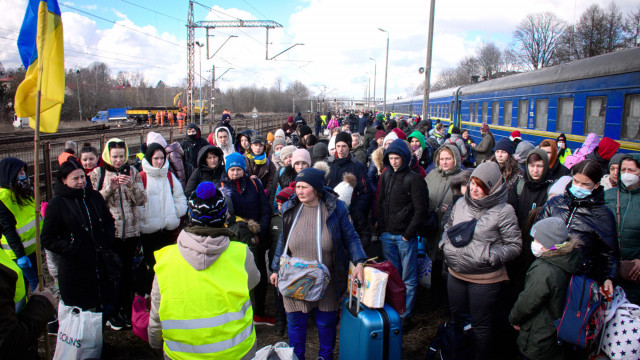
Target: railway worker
{"points": [[563, 150], [258, 164], [161, 115], [121, 187], [250, 203], [165, 206], [170, 118], [484, 150], [70, 149], [181, 116], [604, 152], [203, 266], [191, 146], [611, 179], [17, 215], [556, 169], [150, 117]]}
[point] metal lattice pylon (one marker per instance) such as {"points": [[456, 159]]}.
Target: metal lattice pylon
{"points": [[190, 59]]}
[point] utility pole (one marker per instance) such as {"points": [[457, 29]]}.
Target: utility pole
{"points": [[386, 69], [375, 76], [78, 92], [213, 92], [427, 73]]}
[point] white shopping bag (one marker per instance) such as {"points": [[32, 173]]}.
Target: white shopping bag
{"points": [[374, 288], [79, 334], [279, 351]]}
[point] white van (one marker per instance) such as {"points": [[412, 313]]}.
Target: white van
{"points": [[20, 123]]}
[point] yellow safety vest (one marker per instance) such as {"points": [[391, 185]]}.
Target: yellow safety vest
{"points": [[205, 314], [25, 223], [20, 297]]}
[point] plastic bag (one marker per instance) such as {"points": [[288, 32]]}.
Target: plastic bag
{"points": [[424, 271], [279, 351], [140, 317], [79, 335], [396, 295], [374, 287]]}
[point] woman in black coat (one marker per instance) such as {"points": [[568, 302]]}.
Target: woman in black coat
{"points": [[77, 220], [210, 168]]}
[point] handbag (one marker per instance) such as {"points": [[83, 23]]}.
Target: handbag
{"points": [[396, 295], [140, 317], [79, 334], [620, 336], [302, 279], [461, 234]]}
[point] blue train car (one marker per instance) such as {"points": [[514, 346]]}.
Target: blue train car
{"points": [[599, 94]]}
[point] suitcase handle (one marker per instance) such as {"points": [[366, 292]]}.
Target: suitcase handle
{"points": [[358, 285]]}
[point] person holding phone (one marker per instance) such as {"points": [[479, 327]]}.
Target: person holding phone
{"points": [[121, 187]]}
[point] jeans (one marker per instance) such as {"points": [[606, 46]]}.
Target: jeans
{"points": [[326, 321], [30, 274], [404, 256], [480, 301]]}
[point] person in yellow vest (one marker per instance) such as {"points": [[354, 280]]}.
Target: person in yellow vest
{"points": [[17, 217], [200, 306], [21, 321]]}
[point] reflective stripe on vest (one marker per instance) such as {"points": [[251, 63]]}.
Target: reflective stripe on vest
{"points": [[25, 223], [205, 314], [20, 296]]}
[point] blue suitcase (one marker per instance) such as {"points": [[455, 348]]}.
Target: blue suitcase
{"points": [[369, 333]]}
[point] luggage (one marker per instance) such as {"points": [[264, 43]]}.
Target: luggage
{"points": [[370, 334], [453, 341], [583, 315]]}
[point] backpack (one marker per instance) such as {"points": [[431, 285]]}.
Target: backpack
{"points": [[467, 153], [583, 315], [143, 175], [454, 340]]}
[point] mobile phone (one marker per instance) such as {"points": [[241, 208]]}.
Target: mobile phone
{"points": [[125, 170]]}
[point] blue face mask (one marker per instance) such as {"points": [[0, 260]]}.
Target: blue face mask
{"points": [[277, 153], [22, 177], [579, 192]]}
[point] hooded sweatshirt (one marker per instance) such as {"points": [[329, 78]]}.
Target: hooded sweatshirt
{"points": [[556, 169], [8, 174], [534, 192], [418, 135], [204, 172], [228, 148]]}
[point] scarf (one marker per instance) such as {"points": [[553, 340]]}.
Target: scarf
{"points": [[258, 159]]}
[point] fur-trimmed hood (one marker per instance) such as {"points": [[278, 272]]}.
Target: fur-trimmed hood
{"points": [[378, 159]]}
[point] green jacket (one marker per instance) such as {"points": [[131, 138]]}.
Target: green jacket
{"points": [[542, 302], [369, 135], [629, 229]]}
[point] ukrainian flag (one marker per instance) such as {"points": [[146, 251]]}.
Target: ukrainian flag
{"points": [[40, 46]]}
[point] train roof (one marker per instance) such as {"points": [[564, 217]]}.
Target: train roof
{"points": [[619, 62]]}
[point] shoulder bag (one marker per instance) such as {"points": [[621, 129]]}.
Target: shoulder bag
{"points": [[461, 234]]}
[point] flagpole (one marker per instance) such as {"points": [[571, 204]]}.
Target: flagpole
{"points": [[42, 28]]}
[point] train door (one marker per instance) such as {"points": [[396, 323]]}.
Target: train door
{"points": [[523, 113]]}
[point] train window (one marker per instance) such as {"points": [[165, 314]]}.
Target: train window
{"points": [[565, 115], [485, 112], [495, 112], [451, 112], [523, 111], [631, 117], [508, 113], [542, 114], [595, 114]]}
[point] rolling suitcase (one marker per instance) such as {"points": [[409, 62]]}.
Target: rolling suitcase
{"points": [[370, 334]]}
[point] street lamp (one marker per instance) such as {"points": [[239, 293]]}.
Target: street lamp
{"points": [[375, 69], [78, 92], [386, 68], [200, 73]]}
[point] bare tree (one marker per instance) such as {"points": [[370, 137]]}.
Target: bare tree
{"points": [[632, 28], [614, 28], [536, 38], [489, 60], [591, 32]]}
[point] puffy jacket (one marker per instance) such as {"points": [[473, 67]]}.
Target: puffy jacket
{"points": [[590, 143], [402, 202], [346, 243], [165, 204], [484, 150], [593, 224], [191, 149], [496, 239], [360, 154], [176, 162], [370, 135], [438, 180], [629, 220], [204, 172], [542, 302], [249, 201], [361, 198]]}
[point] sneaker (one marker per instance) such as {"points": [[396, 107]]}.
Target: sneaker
{"points": [[126, 320], [264, 320], [52, 327], [115, 323]]}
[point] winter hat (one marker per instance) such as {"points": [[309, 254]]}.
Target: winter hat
{"points": [[559, 186], [151, 149], [344, 137], [301, 155], [280, 134], [233, 160], [522, 151], [313, 177], [400, 133], [286, 151], [615, 159], [259, 139], [270, 136], [285, 194], [345, 188], [207, 206], [290, 119], [607, 148], [391, 136], [515, 134], [304, 130], [379, 117], [489, 173], [562, 137], [154, 137], [380, 134], [485, 128], [505, 145], [550, 232], [278, 141], [320, 152]]}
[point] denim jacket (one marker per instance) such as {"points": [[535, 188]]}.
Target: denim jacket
{"points": [[346, 243]]}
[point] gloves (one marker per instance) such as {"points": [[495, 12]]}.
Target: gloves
{"points": [[24, 262]]}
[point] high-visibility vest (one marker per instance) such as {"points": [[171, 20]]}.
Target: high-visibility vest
{"points": [[205, 314], [20, 297], [25, 223]]}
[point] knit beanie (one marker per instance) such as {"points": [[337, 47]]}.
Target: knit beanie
{"points": [[550, 232], [301, 155], [154, 137], [270, 136], [207, 206], [344, 137], [607, 148], [320, 152], [562, 137], [400, 133], [313, 177], [559, 186], [304, 130], [151, 149], [515, 134], [280, 134], [235, 159], [505, 145], [290, 119], [285, 194], [615, 159], [278, 141], [380, 134], [489, 173], [286, 151], [391, 136]]}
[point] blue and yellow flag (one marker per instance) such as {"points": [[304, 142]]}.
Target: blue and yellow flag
{"points": [[41, 32]]}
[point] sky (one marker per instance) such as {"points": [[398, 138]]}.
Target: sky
{"points": [[340, 38]]}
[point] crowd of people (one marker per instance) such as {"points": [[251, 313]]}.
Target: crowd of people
{"points": [[505, 222]]}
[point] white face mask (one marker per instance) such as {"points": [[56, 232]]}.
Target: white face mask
{"points": [[628, 179], [536, 248]]}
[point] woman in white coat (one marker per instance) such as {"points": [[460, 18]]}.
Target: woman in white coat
{"points": [[166, 204]]}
